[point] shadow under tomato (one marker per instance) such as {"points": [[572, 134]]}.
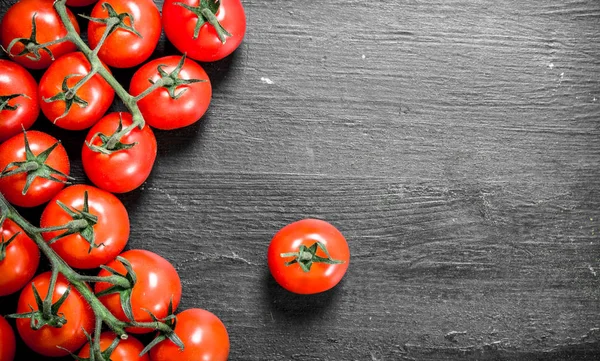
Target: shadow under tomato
{"points": [[300, 309]]}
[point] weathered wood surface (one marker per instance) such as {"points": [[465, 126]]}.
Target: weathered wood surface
{"points": [[454, 143]]}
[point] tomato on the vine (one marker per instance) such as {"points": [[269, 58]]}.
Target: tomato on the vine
{"points": [[8, 344], [75, 310], [134, 38], [18, 23], [180, 104], [157, 285], [121, 170], [19, 258], [68, 109], [211, 345], [104, 231], [44, 164], [204, 30], [18, 99], [308, 256], [127, 350]]}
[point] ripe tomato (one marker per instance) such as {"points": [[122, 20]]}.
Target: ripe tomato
{"points": [[157, 284], [298, 261], [180, 22], [204, 337], [17, 23], [127, 350], [8, 343], [75, 310], [18, 261], [84, 108], [19, 90], [123, 170], [190, 100], [41, 189], [109, 232], [124, 48]]}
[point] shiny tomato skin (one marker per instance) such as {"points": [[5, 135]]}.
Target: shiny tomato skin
{"points": [[14, 79], [213, 345], [111, 232], [21, 260], [124, 170], [75, 309], [321, 276], [179, 24], [172, 113], [8, 344], [157, 284], [41, 190], [127, 350], [96, 91], [122, 48], [17, 24]]}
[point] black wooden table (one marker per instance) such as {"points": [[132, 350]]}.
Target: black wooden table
{"points": [[454, 143]]}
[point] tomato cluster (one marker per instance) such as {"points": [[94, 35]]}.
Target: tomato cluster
{"points": [[87, 227]]}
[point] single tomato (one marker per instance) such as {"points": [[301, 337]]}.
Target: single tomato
{"points": [[104, 229], [126, 350], [18, 24], [8, 344], [121, 170], [134, 39], [204, 337], [19, 258], [68, 109], [308, 256], [156, 286], [75, 309], [43, 168], [181, 104], [189, 26], [18, 99]]}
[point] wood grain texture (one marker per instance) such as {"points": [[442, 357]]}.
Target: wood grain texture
{"points": [[454, 143]]}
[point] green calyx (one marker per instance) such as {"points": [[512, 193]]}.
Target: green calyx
{"points": [[39, 318], [35, 166], [306, 256], [4, 245], [68, 95], [95, 353], [171, 81], [114, 21], [170, 334], [31, 48], [123, 291], [110, 144], [206, 12], [82, 223], [4, 99]]}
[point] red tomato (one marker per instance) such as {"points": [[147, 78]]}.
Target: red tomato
{"points": [[109, 233], [7, 341], [77, 3], [124, 48], [204, 338], [19, 90], [190, 102], [17, 23], [18, 261], [75, 309], [127, 350], [41, 189], [157, 284], [302, 241], [180, 23], [96, 92], [123, 170]]}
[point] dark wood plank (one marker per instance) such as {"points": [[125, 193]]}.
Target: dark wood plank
{"points": [[454, 143]]}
